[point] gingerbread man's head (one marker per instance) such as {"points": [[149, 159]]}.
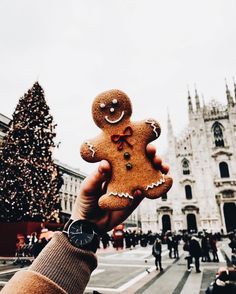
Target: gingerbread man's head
{"points": [[111, 108]]}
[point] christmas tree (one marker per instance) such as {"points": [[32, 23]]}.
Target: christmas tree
{"points": [[29, 180]]}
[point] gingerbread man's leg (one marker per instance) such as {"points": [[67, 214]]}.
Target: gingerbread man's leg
{"points": [[155, 190], [115, 200]]}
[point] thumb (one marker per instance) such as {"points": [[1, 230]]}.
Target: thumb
{"points": [[91, 189], [93, 183]]}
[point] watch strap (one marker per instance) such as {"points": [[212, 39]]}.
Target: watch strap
{"points": [[67, 224]]}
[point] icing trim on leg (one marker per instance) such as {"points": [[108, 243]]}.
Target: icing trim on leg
{"points": [[126, 195], [158, 183]]}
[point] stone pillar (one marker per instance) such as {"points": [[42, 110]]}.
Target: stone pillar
{"points": [[222, 216]]}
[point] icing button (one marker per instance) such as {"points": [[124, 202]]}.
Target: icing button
{"points": [[126, 155], [128, 166]]}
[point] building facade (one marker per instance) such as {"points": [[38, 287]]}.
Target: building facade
{"points": [[203, 167], [4, 125], [72, 179]]}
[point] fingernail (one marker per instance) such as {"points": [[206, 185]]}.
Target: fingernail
{"points": [[138, 193]]}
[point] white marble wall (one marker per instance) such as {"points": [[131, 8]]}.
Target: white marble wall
{"points": [[197, 145]]}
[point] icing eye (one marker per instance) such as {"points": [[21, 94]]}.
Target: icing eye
{"points": [[112, 109], [114, 101], [102, 105]]}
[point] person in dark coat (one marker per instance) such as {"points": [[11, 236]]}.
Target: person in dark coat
{"points": [[175, 245], [205, 249], [105, 240], [195, 251], [213, 242], [188, 257], [169, 244], [156, 252]]}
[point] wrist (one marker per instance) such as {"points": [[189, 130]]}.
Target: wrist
{"points": [[82, 234]]}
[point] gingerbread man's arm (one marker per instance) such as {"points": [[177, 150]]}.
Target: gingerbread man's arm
{"points": [[151, 129], [90, 152]]}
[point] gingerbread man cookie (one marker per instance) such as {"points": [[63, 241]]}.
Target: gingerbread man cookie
{"points": [[123, 143]]}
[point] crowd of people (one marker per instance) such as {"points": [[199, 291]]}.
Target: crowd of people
{"points": [[28, 247], [201, 247], [197, 247]]}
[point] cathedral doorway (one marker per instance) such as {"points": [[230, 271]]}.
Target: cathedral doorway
{"points": [[229, 214], [191, 223], [166, 226]]}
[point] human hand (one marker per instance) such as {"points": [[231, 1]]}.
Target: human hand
{"points": [[94, 186]]}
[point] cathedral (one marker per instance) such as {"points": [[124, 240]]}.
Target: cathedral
{"points": [[203, 167]]}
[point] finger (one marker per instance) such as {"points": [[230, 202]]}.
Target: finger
{"points": [[93, 183], [104, 167], [165, 168], [104, 187], [157, 162], [119, 216], [151, 151]]}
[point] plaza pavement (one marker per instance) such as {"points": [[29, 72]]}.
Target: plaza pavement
{"points": [[133, 272]]}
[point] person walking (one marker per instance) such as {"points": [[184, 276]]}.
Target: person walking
{"points": [[156, 252], [105, 240], [169, 244], [175, 245], [188, 257], [195, 251], [205, 243], [213, 242]]}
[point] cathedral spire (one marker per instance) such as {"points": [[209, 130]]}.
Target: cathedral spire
{"points": [[203, 101], [230, 99], [169, 124], [171, 137], [234, 88], [190, 105], [197, 101]]}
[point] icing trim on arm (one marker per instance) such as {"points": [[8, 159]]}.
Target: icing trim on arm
{"points": [[126, 195], [90, 148], [153, 125]]}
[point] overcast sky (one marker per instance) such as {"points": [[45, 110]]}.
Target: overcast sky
{"points": [[150, 49]]}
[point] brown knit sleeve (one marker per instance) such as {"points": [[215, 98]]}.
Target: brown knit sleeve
{"points": [[25, 282], [63, 264]]}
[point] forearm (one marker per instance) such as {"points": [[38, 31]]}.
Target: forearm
{"points": [[66, 265], [60, 264]]}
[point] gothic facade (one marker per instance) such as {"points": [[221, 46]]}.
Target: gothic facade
{"points": [[203, 167]]}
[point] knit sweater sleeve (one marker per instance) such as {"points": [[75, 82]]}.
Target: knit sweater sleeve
{"points": [[60, 267]]}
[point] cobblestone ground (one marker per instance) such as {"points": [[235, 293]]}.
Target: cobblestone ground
{"points": [[133, 271]]}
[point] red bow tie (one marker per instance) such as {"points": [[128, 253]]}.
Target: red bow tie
{"points": [[122, 138]]}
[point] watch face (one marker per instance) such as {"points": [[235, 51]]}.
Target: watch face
{"points": [[80, 233]]}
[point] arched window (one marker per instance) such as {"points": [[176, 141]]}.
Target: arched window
{"points": [[185, 166], [217, 129], [164, 197], [191, 223], [188, 192], [224, 170], [166, 224]]}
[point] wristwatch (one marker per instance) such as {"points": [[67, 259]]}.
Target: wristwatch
{"points": [[82, 234]]}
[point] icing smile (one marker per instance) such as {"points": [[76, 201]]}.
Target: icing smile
{"points": [[115, 121]]}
